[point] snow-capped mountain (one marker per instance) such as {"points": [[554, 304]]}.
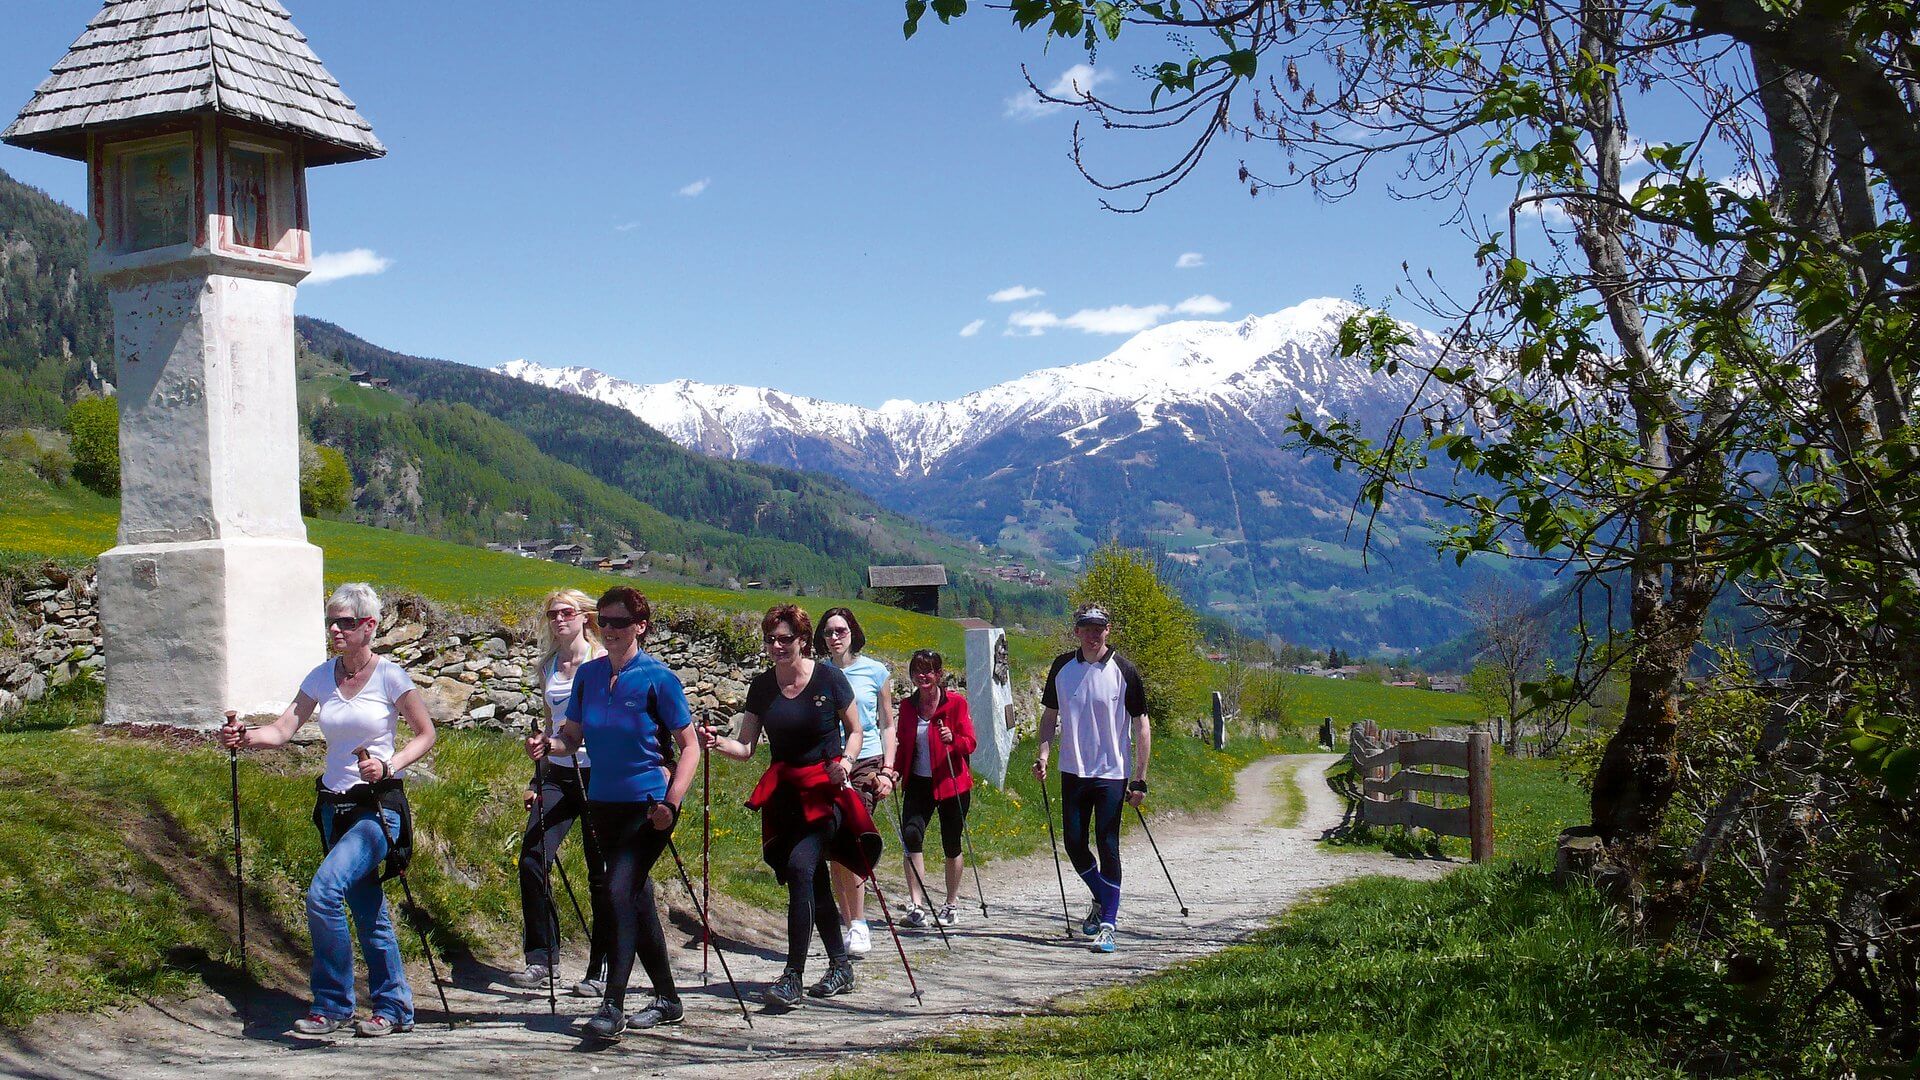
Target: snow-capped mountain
{"points": [[1260, 368], [1175, 440]]}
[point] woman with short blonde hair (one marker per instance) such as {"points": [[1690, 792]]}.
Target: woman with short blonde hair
{"points": [[358, 697]]}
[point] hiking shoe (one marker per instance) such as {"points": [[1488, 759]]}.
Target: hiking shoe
{"points": [[316, 1024], [784, 994], [530, 977], [839, 980], [1091, 924], [916, 918], [946, 915], [859, 938], [1103, 939], [589, 988], [373, 1027], [609, 1023], [660, 1012]]}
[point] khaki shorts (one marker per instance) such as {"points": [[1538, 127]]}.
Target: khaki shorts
{"points": [[865, 778]]}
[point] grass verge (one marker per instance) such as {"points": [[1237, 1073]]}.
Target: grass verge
{"points": [[1493, 971]]}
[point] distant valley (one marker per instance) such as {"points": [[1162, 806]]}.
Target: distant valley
{"points": [[1175, 441]]}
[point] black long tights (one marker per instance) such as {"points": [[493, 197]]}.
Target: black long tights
{"points": [[810, 901], [632, 845]]}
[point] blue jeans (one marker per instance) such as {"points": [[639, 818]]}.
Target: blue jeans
{"points": [[348, 879]]}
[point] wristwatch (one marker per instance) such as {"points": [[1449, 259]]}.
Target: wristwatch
{"points": [[1137, 785]]}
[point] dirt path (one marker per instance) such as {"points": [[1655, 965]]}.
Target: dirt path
{"points": [[1236, 872]]}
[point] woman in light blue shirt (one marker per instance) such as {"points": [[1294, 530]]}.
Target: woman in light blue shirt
{"points": [[837, 639]]}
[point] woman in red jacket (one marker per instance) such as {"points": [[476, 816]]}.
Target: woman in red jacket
{"points": [[934, 741]]}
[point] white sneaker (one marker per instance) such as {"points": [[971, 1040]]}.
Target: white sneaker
{"points": [[1103, 940], [859, 938], [945, 916]]}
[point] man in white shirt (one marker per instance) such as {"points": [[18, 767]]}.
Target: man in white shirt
{"points": [[1096, 704]]}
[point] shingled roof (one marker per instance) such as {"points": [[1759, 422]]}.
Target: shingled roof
{"points": [[145, 60], [902, 577]]}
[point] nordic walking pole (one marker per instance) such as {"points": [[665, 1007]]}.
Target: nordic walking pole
{"points": [[967, 834], [546, 871], [874, 880], [721, 953], [1052, 842], [706, 857], [239, 872], [1163, 862], [413, 907], [561, 865]]}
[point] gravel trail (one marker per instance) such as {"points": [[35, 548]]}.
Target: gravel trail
{"points": [[1236, 871]]}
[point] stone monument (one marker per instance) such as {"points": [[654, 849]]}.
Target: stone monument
{"points": [[990, 697], [198, 120]]}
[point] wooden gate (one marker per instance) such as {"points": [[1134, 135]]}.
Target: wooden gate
{"points": [[1393, 782]]}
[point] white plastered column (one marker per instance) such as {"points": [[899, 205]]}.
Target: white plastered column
{"points": [[210, 601]]}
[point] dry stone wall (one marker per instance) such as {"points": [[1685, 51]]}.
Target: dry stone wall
{"points": [[473, 673]]}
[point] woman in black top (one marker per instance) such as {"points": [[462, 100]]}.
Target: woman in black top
{"points": [[807, 811]]}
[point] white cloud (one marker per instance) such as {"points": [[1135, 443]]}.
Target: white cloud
{"points": [[1074, 84], [1031, 323], [1548, 211], [628, 227], [1189, 261], [1118, 319], [695, 188], [335, 265], [972, 328], [1204, 304], [1014, 292]]}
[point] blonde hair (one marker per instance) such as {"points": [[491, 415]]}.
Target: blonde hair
{"points": [[581, 602]]}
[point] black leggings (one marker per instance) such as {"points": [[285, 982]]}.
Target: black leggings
{"points": [[810, 900], [1078, 795], [918, 805], [632, 845], [562, 798]]}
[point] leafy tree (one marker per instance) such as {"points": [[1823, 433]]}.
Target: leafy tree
{"points": [[1151, 625], [1671, 384], [326, 484], [93, 425]]}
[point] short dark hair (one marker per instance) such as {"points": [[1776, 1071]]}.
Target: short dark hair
{"points": [[794, 617], [628, 597], [926, 660], [853, 624]]}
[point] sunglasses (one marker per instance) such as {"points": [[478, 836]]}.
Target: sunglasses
{"points": [[560, 613], [838, 631], [616, 622], [782, 640], [345, 623]]}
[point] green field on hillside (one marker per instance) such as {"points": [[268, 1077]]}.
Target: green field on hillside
{"points": [[1347, 700], [71, 524]]}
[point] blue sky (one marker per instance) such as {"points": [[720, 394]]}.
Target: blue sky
{"points": [[809, 202]]}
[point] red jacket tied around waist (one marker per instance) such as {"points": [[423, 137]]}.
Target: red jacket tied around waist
{"points": [[855, 844], [952, 776]]}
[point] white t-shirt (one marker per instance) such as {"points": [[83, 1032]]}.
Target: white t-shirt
{"points": [[923, 748], [1097, 703], [368, 719], [558, 688]]}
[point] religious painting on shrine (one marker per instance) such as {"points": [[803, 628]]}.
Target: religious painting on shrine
{"points": [[257, 194], [157, 201]]}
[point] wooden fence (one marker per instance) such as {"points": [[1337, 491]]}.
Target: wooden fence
{"points": [[1393, 783]]}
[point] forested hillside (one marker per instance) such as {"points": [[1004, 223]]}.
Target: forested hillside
{"points": [[53, 316]]}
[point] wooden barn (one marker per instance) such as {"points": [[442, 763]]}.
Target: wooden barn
{"points": [[915, 588]]}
